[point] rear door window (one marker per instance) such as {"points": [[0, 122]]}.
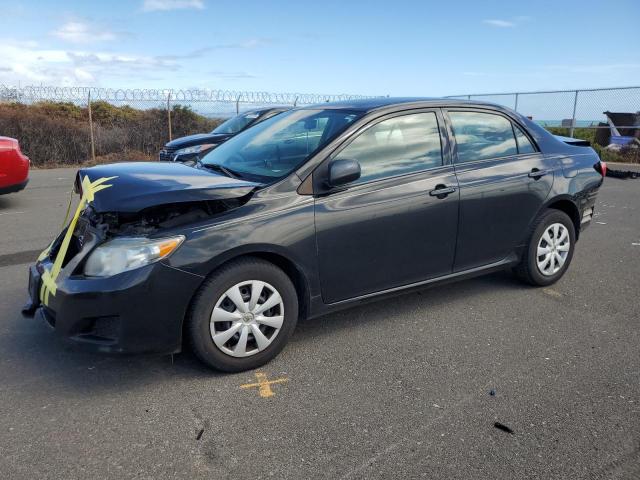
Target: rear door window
{"points": [[482, 135]]}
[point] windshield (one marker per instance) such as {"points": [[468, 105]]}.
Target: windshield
{"points": [[275, 147], [236, 124]]}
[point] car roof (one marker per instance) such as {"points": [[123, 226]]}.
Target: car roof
{"points": [[267, 109], [375, 103]]}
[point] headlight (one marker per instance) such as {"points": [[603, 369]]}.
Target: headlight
{"points": [[194, 149], [124, 254]]}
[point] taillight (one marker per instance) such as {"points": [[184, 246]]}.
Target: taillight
{"points": [[601, 168]]}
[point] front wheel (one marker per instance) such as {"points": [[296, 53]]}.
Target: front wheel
{"points": [[243, 315], [549, 250]]}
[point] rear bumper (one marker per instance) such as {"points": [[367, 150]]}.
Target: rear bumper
{"points": [[140, 311], [586, 217], [587, 207], [16, 187]]}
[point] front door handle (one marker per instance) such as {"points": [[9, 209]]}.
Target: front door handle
{"points": [[441, 191], [536, 173]]}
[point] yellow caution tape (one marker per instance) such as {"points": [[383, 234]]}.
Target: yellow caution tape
{"points": [[45, 253], [66, 215], [89, 190]]}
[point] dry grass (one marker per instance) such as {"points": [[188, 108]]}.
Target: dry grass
{"points": [[56, 134], [130, 156]]}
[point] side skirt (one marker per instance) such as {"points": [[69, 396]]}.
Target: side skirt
{"points": [[318, 307]]}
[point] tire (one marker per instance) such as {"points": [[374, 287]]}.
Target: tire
{"points": [[220, 292], [530, 270]]}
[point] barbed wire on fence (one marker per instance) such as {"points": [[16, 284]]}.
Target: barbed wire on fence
{"points": [[78, 94]]}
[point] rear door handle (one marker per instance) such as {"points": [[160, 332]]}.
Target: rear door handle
{"points": [[441, 191], [536, 173]]}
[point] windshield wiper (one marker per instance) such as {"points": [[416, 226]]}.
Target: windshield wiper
{"points": [[220, 168]]}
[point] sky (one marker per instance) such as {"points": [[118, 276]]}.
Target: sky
{"points": [[423, 48]]}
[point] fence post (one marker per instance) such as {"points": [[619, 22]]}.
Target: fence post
{"points": [[573, 117], [93, 146], [295, 102], [238, 105], [516, 105], [169, 113]]}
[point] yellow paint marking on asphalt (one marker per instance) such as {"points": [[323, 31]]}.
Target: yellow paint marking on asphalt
{"points": [[264, 385], [552, 293]]}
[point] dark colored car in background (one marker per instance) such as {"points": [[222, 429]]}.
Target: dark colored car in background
{"points": [[311, 211], [14, 166], [195, 146]]}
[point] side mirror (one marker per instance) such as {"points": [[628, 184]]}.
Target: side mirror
{"points": [[342, 172]]}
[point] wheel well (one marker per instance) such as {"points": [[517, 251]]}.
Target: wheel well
{"points": [[292, 271], [297, 278], [570, 209]]}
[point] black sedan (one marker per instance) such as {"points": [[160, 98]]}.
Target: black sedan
{"points": [[313, 210], [192, 147]]}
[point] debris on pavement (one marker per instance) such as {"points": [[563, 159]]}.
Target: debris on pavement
{"points": [[503, 427]]}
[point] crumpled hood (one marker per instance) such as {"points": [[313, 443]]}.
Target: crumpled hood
{"points": [[198, 139], [139, 185]]}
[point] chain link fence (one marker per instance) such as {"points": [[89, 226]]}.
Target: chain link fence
{"points": [[588, 114], [569, 108], [73, 125]]}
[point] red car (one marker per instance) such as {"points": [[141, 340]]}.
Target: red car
{"points": [[14, 166]]}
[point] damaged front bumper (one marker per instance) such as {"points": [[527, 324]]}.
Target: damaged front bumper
{"points": [[139, 311]]}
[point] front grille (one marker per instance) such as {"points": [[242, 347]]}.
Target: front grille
{"points": [[81, 235], [75, 244]]}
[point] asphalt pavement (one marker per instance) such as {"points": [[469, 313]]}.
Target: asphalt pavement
{"points": [[411, 387]]}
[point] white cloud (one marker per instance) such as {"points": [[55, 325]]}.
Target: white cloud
{"points": [[222, 75], [510, 23], [81, 32], [200, 52], [500, 23], [29, 63], [166, 5]]}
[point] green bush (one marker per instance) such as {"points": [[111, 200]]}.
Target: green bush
{"points": [[47, 133], [624, 155], [55, 133]]}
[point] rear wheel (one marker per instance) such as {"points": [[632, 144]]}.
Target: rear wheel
{"points": [[243, 315], [549, 250]]}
